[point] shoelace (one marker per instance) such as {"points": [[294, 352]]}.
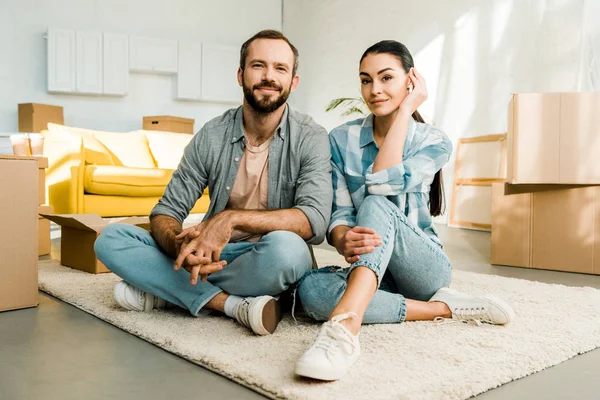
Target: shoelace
{"points": [[475, 316], [242, 313], [333, 333]]}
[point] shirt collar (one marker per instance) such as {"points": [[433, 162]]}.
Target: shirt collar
{"points": [[239, 132], [366, 130]]}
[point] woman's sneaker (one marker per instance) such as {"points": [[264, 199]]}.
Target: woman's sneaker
{"points": [[332, 354], [131, 298], [477, 309]]}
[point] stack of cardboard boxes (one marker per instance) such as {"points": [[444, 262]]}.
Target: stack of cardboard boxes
{"points": [[547, 214]]}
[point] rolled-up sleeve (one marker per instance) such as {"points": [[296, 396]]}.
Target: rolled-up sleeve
{"points": [[313, 192], [420, 167], [186, 185], [343, 210]]}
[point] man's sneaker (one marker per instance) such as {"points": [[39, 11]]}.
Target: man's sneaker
{"points": [[477, 309], [332, 354], [131, 298], [261, 314]]}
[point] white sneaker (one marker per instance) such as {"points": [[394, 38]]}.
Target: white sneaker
{"points": [[332, 354], [476, 309], [131, 298], [261, 314]]}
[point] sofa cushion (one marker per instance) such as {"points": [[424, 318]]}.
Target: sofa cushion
{"points": [[167, 147], [127, 149], [95, 152], [125, 181]]}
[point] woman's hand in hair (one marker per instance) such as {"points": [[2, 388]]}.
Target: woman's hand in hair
{"points": [[356, 241], [417, 96]]}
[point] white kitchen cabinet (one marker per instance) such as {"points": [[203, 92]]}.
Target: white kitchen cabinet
{"points": [[156, 56], [116, 64], [61, 59], [89, 62], [189, 76], [219, 73]]}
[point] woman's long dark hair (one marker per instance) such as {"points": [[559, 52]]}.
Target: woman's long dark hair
{"points": [[398, 50]]}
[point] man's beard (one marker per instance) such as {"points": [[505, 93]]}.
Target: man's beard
{"points": [[269, 103]]}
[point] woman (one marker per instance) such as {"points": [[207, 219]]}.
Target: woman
{"points": [[387, 186]]}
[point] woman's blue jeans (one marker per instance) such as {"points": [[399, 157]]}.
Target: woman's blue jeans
{"points": [[408, 265]]}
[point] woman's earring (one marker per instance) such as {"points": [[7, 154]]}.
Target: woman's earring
{"points": [[410, 89]]}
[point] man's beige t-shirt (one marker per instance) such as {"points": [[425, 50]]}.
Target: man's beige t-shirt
{"points": [[250, 189]]}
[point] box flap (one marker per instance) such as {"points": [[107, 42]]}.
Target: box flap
{"points": [[132, 220], [45, 209], [86, 222], [142, 222]]}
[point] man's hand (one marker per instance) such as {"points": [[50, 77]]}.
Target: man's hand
{"points": [[357, 241], [201, 247], [186, 236]]}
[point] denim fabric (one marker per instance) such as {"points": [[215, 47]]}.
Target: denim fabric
{"points": [[267, 267], [408, 265]]}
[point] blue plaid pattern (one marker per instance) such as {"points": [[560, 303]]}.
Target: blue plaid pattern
{"points": [[353, 151]]}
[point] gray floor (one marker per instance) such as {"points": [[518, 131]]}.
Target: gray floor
{"points": [[56, 351]]}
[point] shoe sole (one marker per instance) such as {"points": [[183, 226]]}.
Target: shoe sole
{"points": [[322, 374], [267, 320], [507, 310]]}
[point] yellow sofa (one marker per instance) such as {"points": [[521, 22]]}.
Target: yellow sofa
{"points": [[108, 173]]}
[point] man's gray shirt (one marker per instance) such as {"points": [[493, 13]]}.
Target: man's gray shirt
{"points": [[299, 169]]}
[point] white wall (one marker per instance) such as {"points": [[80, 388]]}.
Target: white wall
{"points": [[23, 53], [473, 54]]}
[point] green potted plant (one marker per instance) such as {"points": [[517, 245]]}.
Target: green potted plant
{"points": [[352, 105]]}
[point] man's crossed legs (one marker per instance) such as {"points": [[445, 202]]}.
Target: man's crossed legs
{"points": [[243, 289]]}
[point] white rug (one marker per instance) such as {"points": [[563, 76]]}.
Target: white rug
{"points": [[415, 360]]}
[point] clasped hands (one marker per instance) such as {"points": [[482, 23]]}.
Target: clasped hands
{"points": [[200, 247]]}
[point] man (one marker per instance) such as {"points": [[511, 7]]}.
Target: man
{"points": [[268, 172]]}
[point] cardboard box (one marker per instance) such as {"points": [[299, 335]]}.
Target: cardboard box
{"points": [[34, 117], [552, 227], [41, 175], [44, 245], [78, 235], [18, 248], [553, 138], [169, 124]]}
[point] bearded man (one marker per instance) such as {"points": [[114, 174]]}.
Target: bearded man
{"points": [[267, 168]]}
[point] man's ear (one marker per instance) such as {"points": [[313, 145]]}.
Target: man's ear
{"points": [[295, 82], [240, 76]]}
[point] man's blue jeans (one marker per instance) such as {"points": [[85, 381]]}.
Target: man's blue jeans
{"points": [[408, 265], [267, 267]]}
